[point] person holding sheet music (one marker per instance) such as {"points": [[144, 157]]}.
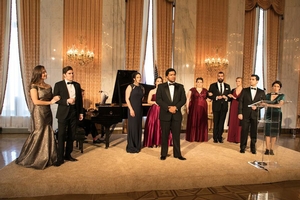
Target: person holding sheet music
{"points": [[249, 115], [273, 112]]}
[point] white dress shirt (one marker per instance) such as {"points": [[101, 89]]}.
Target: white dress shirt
{"points": [[171, 88]]}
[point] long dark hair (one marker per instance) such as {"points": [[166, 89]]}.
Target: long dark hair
{"points": [[159, 77], [36, 75]]}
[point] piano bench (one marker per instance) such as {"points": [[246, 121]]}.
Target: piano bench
{"points": [[80, 137]]}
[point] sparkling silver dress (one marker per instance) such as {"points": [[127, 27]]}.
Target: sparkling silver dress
{"points": [[39, 150]]}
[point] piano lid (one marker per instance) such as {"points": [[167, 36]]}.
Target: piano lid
{"points": [[123, 79]]}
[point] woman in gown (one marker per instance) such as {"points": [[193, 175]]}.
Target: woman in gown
{"points": [[272, 130], [152, 131], [234, 128], [39, 150], [134, 95], [197, 124]]}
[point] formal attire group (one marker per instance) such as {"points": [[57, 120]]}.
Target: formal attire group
{"points": [[163, 124]]}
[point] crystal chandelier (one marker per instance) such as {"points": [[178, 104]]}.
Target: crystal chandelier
{"points": [[216, 61], [81, 56]]}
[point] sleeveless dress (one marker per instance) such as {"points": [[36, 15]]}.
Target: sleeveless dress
{"points": [[134, 135], [274, 114], [39, 150], [197, 124], [234, 128], [152, 130]]}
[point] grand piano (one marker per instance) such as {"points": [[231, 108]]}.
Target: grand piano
{"points": [[108, 115]]}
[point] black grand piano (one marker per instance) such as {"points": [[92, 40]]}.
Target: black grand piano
{"points": [[108, 115]]}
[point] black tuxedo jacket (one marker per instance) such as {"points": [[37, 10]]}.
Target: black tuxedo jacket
{"points": [[246, 99], [217, 105], [63, 108], [163, 99]]}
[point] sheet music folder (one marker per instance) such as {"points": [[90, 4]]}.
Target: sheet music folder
{"points": [[261, 103]]}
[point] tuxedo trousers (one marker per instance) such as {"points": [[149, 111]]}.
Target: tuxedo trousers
{"points": [[66, 132], [174, 127], [246, 124]]}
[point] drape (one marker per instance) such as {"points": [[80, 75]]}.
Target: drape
{"points": [[275, 8], [28, 14], [164, 36], [277, 5], [273, 37], [211, 37], [83, 28], [133, 33], [5, 10], [249, 37]]}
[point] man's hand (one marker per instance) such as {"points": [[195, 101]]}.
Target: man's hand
{"points": [[172, 109], [240, 116], [71, 101], [253, 107]]}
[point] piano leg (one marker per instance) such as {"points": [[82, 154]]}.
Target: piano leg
{"points": [[108, 131]]}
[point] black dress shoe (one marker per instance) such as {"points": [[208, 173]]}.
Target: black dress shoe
{"points": [[163, 157], [70, 158], [242, 151], [98, 141], [253, 152], [220, 141], [181, 158], [58, 163], [215, 141]]}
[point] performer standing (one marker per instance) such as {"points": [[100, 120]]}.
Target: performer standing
{"points": [[134, 95], [70, 109], [152, 130], [234, 128], [170, 96], [197, 124], [249, 115], [273, 113], [218, 93], [39, 149]]}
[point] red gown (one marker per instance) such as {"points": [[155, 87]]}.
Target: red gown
{"points": [[152, 130], [197, 124], [234, 128]]}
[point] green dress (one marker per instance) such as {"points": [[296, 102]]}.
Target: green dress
{"points": [[275, 115]]}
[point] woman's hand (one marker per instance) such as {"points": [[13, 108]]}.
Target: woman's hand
{"points": [[132, 113], [55, 99]]}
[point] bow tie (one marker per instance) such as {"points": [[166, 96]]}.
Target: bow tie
{"points": [[253, 88], [69, 82], [172, 84]]}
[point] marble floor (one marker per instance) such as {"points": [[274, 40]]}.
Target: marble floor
{"points": [[11, 144]]}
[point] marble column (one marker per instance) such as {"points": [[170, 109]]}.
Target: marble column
{"points": [[184, 45], [51, 45], [113, 43], [288, 72]]}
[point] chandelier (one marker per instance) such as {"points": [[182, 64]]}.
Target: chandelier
{"points": [[81, 55], [216, 61]]}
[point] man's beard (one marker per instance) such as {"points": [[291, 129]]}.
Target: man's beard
{"points": [[220, 81]]}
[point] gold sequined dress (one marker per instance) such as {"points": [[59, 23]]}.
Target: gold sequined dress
{"points": [[39, 150]]}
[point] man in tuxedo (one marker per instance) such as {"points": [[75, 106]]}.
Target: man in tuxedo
{"points": [[218, 92], [249, 115], [70, 109], [170, 96]]}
